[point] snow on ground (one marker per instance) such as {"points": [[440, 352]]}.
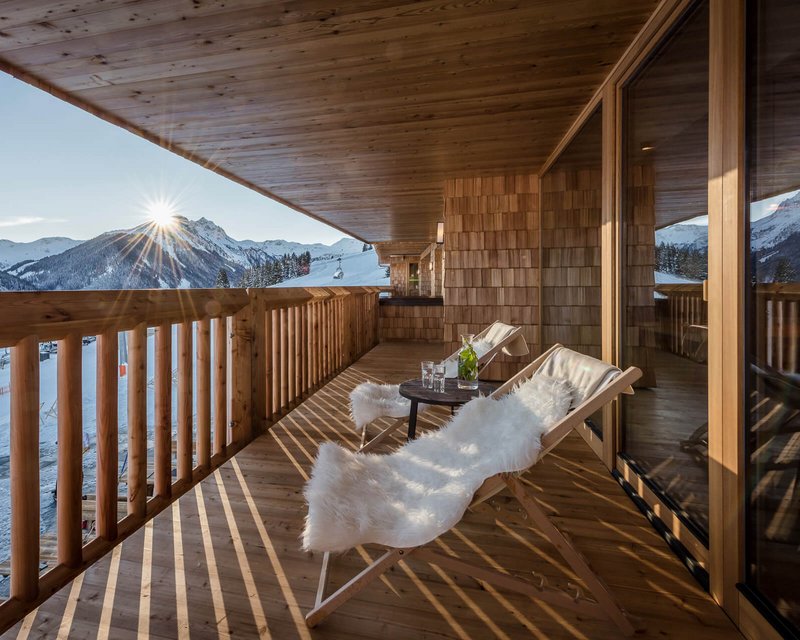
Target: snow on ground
{"points": [[48, 433], [671, 278], [360, 269]]}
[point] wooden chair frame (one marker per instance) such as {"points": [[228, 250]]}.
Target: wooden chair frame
{"points": [[483, 362], [603, 605]]}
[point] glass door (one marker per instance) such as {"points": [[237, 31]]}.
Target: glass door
{"points": [[664, 266], [772, 429]]}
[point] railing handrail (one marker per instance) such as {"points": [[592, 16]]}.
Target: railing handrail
{"points": [[51, 315]]}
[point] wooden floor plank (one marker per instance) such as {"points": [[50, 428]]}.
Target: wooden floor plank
{"points": [[241, 556]]}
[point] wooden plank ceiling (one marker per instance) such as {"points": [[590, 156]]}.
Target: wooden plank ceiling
{"points": [[354, 112]]}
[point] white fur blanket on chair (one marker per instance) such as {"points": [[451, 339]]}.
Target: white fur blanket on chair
{"points": [[419, 491], [370, 401]]}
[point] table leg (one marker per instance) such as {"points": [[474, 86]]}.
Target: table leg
{"points": [[412, 420]]}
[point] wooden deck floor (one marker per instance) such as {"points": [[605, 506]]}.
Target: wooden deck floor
{"points": [[225, 561]]}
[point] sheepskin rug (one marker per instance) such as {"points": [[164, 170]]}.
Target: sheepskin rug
{"points": [[370, 401], [414, 494]]}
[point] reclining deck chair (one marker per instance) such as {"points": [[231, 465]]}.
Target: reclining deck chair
{"points": [[370, 401], [577, 386]]}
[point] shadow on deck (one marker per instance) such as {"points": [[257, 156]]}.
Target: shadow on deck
{"points": [[224, 561]]}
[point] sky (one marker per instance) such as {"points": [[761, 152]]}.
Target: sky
{"points": [[68, 173]]}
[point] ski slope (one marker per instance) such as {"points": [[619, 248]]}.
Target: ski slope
{"points": [[360, 269]]}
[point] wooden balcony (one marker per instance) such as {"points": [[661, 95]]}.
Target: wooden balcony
{"points": [[224, 560]]}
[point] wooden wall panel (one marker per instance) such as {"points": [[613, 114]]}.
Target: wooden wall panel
{"points": [[418, 323], [571, 215], [491, 248]]}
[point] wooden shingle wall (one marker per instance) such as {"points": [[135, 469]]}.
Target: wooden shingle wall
{"points": [[571, 217], [639, 273], [416, 323], [492, 255]]}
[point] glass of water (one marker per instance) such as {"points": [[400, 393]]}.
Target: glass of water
{"points": [[427, 373], [438, 377]]}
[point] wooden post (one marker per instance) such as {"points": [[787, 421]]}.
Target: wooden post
{"points": [[163, 412], [259, 359], [269, 351], [185, 404], [107, 433], [220, 326], [290, 364], [298, 353], [203, 368], [241, 376], [70, 458], [24, 461], [304, 347], [276, 361], [284, 315], [137, 422]]}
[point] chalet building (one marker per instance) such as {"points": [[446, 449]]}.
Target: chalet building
{"points": [[616, 176]]}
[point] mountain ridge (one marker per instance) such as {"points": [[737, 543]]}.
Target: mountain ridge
{"points": [[185, 254]]}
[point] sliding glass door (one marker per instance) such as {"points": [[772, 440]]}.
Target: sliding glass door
{"points": [[772, 430], [664, 266]]}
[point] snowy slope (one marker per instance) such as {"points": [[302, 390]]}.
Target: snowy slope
{"points": [[684, 235], [360, 269], [12, 253]]}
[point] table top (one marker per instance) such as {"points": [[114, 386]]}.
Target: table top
{"points": [[413, 390]]}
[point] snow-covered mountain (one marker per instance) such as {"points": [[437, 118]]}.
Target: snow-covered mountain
{"points": [[360, 269], [12, 253], [684, 235], [774, 238], [187, 253]]}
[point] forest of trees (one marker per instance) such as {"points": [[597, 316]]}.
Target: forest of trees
{"points": [[289, 265], [686, 262]]}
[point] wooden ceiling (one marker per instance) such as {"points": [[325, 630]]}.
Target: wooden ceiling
{"points": [[353, 112]]}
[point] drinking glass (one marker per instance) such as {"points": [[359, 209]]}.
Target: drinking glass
{"points": [[438, 377], [427, 374]]}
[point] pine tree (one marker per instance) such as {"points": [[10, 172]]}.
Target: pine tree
{"points": [[784, 271], [222, 282]]}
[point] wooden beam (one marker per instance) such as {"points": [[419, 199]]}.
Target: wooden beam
{"points": [[107, 435], [726, 304], [137, 422]]}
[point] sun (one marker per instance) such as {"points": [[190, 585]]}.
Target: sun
{"points": [[161, 213]]}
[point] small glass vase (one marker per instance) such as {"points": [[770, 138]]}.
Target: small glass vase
{"points": [[467, 364]]}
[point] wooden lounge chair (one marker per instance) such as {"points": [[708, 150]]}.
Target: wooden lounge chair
{"points": [[596, 385], [496, 338]]}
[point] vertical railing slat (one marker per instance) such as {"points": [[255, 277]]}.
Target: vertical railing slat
{"points": [[107, 435], [284, 356], [185, 401], [220, 327], [70, 442], [268, 364], [24, 462], [203, 367], [137, 421], [163, 412]]}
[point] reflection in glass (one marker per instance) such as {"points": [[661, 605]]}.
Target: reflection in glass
{"points": [[664, 264], [772, 436]]}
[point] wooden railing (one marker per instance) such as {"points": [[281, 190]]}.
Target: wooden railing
{"points": [[776, 312], [682, 319], [244, 357]]}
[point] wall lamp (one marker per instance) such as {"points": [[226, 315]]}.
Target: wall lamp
{"points": [[440, 233]]}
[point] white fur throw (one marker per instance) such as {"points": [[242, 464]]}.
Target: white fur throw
{"points": [[370, 401], [419, 491]]}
